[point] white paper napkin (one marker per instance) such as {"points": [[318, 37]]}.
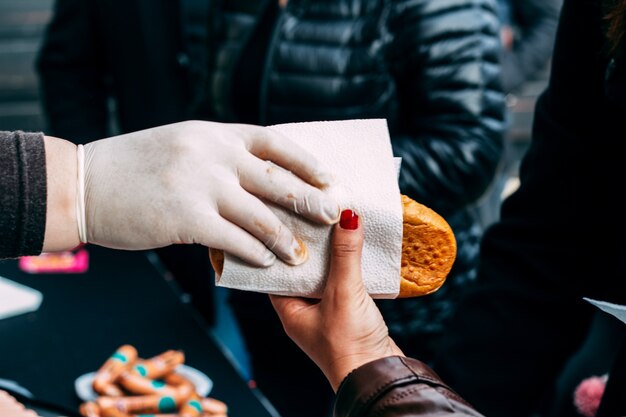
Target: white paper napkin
{"points": [[16, 299], [359, 154], [616, 310]]}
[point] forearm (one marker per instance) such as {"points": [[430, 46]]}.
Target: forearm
{"points": [[61, 231]]}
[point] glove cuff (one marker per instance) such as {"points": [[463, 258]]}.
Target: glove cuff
{"points": [[80, 194]]}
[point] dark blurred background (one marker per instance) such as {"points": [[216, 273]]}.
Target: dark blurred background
{"points": [[22, 25]]}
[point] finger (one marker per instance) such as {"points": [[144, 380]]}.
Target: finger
{"points": [[230, 238], [288, 307], [251, 214], [344, 277], [275, 184], [268, 144]]}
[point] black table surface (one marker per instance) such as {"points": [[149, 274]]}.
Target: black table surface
{"points": [[124, 298]]}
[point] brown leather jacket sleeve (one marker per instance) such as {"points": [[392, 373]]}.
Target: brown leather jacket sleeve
{"points": [[398, 387]]}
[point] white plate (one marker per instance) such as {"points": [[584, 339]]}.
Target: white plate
{"points": [[203, 384]]}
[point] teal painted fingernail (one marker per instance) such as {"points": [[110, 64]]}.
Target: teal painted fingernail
{"points": [[167, 404], [119, 357], [195, 404], [141, 370], [158, 384]]}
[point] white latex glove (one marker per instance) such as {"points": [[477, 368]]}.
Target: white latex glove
{"points": [[200, 182]]}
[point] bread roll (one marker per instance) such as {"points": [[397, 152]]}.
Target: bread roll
{"points": [[428, 250]]}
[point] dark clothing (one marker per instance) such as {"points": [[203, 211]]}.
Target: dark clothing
{"points": [[398, 387], [129, 50], [594, 358], [22, 194], [431, 69], [560, 237], [532, 25], [614, 402], [535, 23], [134, 56]]}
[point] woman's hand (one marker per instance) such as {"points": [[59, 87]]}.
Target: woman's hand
{"points": [[203, 182], [345, 329]]}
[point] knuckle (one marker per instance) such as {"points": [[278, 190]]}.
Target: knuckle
{"points": [[278, 237], [306, 203], [267, 232], [269, 168], [258, 249], [345, 250]]}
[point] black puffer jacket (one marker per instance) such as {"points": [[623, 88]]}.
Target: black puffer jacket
{"points": [[430, 67]]}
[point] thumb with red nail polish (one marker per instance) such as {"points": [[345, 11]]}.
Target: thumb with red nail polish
{"points": [[345, 329], [349, 220]]}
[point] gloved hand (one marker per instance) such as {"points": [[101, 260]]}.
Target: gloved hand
{"points": [[201, 182], [345, 329]]}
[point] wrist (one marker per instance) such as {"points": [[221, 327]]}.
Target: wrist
{"points": [[61, 232], [342, 367]]}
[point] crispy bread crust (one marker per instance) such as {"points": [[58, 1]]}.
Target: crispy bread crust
{"points": [[428, 250]]}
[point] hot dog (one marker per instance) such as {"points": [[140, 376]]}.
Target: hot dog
{"points": [[428, 250]]}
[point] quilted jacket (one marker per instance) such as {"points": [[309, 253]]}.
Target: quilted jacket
{"points": [[430, 67]]}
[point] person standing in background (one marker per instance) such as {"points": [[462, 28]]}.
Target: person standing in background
{"points": [[527, 34], [560, 236], [430, 68]]}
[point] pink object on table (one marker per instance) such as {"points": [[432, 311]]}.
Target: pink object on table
{"points": [[588, 395], [68, 262]]}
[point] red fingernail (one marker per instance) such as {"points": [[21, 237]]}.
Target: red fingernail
{"points": [[349, 220]]}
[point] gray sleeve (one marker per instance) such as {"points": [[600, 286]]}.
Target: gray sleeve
{"points": [[22, 193]]}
